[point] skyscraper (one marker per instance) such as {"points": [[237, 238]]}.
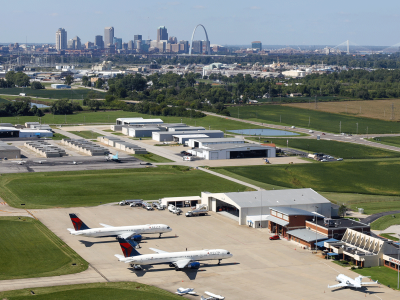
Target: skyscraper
{"points": [[162, 34], [61, 39], [256, 45], [98, 41], [117, 42], [108, 36]]}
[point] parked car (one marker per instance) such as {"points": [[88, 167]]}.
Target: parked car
{"points": [[177, 211], [323, 133], [324, 160], [274, 237], [311, 131], [293, 127], [149, 208], [154, 204], [160, 207], [339, 159]]}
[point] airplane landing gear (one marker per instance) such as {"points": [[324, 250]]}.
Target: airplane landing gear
{"points": [[219, 261], [136, 267], [171, 265], [160, 235]]}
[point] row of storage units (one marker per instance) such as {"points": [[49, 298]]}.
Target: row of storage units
{"points": [[122, 145]]}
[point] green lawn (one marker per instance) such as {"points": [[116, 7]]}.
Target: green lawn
{"points": [[93, 291], [334, 148], [51, 93], [371, 204], [28, 249], [384, 275], [86, 188], [390, 236], [387, 140], [152, 158], [59, 136], [363, 177], [324, 121], [384, 222], [87, 134]]}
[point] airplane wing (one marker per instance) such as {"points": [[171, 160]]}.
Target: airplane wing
{"points": [[181, 263], [215, 296], [71, 230], [158, 251], [119, 256], [366, 283], [337, 285], [105, 225]]}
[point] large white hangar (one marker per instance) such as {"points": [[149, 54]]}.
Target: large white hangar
{"points": [[233, 151], [168, 136], [258, 203], [138, 121]]}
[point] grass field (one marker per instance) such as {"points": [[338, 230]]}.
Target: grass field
{"points": [[334, 148], [110, 117], [384, 222], [28, 249], [59, 136], [324, 121], [87, 134], [93, 291], [152, 158], [343, 177], [377, 109], [86, 188], [51, 93], [371, 204], [387, 140], [384, 275], [390, 236]]}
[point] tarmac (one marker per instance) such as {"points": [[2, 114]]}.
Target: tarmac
{"points": [[259, 269]]}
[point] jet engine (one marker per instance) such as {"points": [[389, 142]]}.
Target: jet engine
{"points": [[136, 238], [194, 265]]}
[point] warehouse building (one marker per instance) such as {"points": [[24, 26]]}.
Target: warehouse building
{"points": [[240, 205], [206, 142], [27, 133], [168, 126], [233, 151], [183, 139], [141, 131], [9, 132], [138, 121], [181, 201], [187, 128], [168, 136], [8, 151]]}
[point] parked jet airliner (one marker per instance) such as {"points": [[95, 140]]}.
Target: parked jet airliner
{"points": [[179, 260], [127, 232]]}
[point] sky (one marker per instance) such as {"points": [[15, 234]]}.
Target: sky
{"points": [[290, 22]]}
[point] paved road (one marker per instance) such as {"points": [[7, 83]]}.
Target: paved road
{"points": [[374, 217]]}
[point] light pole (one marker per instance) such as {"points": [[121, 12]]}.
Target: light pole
{"points": [[357, 128]]}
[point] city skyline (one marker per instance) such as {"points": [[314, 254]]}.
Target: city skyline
{"points": [[305, 23]]}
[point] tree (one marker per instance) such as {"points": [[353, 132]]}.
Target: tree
{"points": [[62, 107], [342, 210], [36, 85], [69, 80]]}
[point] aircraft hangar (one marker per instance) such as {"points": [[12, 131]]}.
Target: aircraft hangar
{"points": [[241, 205]]}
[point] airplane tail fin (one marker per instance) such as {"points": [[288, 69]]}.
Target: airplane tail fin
{"points": [[78, 223], [128, 247]]}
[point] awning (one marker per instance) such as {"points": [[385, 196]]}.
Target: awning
{"points": [[321, 244], [332, 254], [307, 235], [277, 220]]}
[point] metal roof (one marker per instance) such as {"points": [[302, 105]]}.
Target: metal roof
{"points": [[277, 220], [307, 235], [291, 211], [321, 244], [217, 140], [192, 136], [276, 197], [212, 147]]}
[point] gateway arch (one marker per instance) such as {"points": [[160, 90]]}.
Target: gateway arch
{"points": [[208, 43]]}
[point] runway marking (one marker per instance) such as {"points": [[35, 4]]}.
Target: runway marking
{"points": [[3, 203], [31, 214], [331, 267]]}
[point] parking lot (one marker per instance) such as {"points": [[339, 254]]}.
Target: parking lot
{"points": [[259, 269]]}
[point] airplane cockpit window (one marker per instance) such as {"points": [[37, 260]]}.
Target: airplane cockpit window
{"points": [[228, 253], [167, 227]]}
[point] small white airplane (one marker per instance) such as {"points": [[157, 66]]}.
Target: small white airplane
{"points": [[111, 157], [20, 162], [127, 232], [75, 163], [40, 161], [182, 291], [349, 282], [178, 260], [212, 296]]}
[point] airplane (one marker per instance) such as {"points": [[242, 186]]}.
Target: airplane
{"points": [[127, 232], [212, 296], [111, 157], [40, 161], [75, 163], [349, 282], [20, 162], [182, 291], [179, 260]]}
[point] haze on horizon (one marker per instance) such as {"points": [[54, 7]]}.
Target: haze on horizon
{"points": [[308, 22]]}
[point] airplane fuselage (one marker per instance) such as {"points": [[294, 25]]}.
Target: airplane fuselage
{"points": [[116, 231], [159, 258]]}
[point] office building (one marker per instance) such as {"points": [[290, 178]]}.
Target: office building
{"points": [[162, 33], [78, 44], [197, 47], [137, 37], [256, 45], [108, 36], [98, 41], [184, 46], [173, 40], [130, 45], [61, 39], [117, 42]]}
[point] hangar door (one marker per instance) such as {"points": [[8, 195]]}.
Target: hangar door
{"points": [[213, 155], [249, 154]]}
